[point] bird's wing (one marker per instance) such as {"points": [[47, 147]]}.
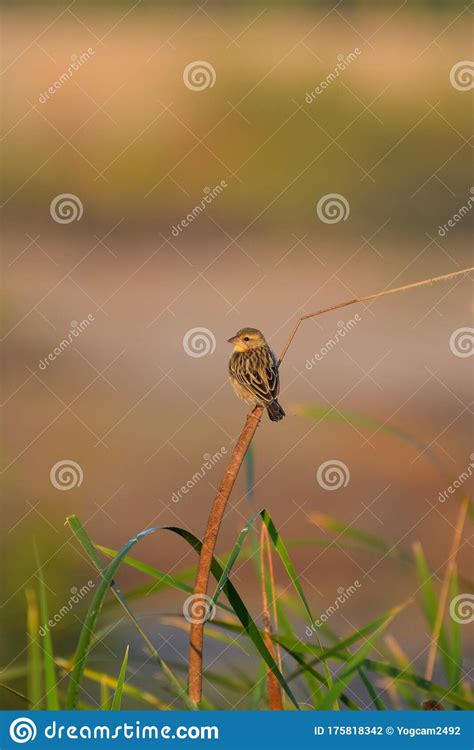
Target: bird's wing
{"points": [[257, 371]]}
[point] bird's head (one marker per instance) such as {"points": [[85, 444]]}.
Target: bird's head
{"points": [[247, 338]]}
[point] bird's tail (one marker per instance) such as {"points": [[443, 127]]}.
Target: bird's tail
{"points": [[275, 411]]}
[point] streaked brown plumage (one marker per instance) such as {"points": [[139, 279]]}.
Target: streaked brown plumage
{"points": [[253, 369]]}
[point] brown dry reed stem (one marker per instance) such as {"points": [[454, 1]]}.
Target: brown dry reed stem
{"points": [[275, 702], [443, 597], [252, 421]]}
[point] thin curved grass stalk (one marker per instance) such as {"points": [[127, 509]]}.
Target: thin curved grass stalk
{"points": [[401, 660], [455, 636], [14, 692], [196, 635], [443, 597], [274, 693], [429, 601]]}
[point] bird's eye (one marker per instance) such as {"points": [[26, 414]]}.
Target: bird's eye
{"points": [[246, 338]]}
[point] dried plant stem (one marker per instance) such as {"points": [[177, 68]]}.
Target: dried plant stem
{"points": [[443, 597], [275, 702], [218, 508], [208, 545], [368, 297]]}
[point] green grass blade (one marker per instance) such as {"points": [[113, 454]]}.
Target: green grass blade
{"points": [[375, 697], [345, 675], [34, 671], [288, 565], [455, 637], [85, 638], [233, 597], [237, 605], [232, 558], [241, 611], [363, 539], [129, 690], [430, 608], [117, 699], [92, 615], [330, 414], [91, 550], [291, 648], [164, 580], [428, 687], [407, 693], [306, 667], [374, 627], [50, 681], [258, 692]]}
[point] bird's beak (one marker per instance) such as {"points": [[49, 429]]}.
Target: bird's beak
{"points": [[232, 340]]}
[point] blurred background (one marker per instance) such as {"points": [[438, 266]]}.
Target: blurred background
{"points": [[120, 120]]}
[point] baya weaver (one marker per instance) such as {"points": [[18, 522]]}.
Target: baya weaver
{"points": [[253, 369]]}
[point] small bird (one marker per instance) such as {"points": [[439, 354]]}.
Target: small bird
{"points": [[253, 369]]}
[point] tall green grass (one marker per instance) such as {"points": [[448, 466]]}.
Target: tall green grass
{"points": [[356, 670]]}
